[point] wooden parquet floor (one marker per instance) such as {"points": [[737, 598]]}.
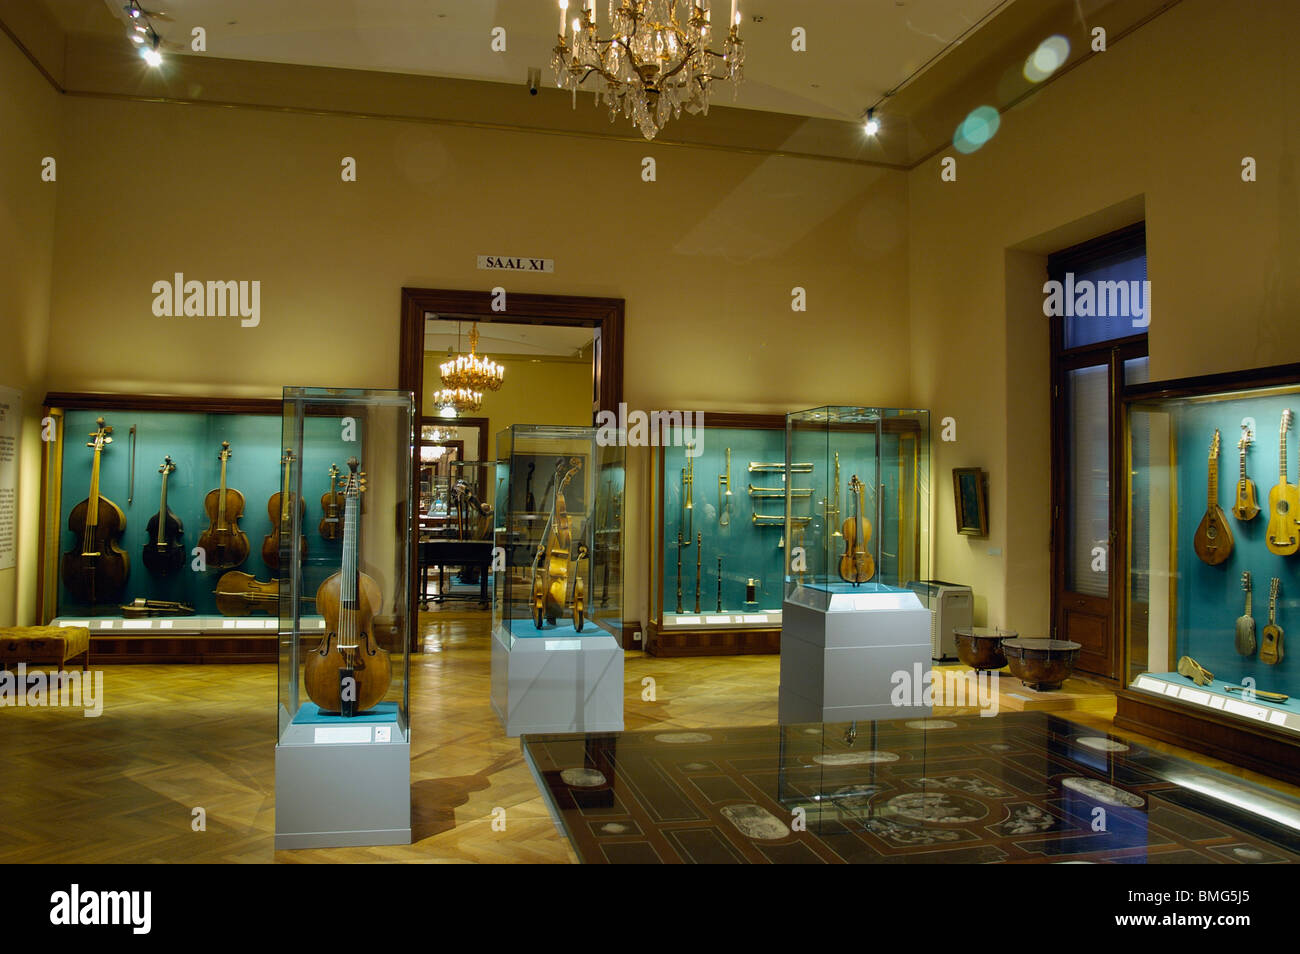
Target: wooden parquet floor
{"points": [[124, 787]]}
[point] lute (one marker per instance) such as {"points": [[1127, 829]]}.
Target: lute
{"points": [[164, 553], [1213, 539], [1247, 505], [1245, 634], [1270, 646], [1283, 537], [95, 568]]}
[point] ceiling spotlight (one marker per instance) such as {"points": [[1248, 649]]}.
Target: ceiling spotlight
{"points": [[872, 124], [150, 51], [133, 10]]}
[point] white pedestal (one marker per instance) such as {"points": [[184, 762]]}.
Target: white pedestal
{"points": [[560, 682], [838, 664]]}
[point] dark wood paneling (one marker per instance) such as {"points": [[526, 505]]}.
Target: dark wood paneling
{"points": [[711, 642], [1251, 745], [91, 401], [110, 650]]}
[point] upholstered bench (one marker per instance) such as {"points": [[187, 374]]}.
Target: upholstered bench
{"points": [[44, 645]]}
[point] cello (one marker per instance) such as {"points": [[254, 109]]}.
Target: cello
{"points": [[330, 505], [856, 565], [164, 553], [553, 560], [348, 672], [277, 508], [224, 544], [94, 570]]}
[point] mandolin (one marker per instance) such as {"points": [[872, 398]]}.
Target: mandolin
{"points": [[164, 551], [856, 565], [331, 506], [1270, 646], [224, 544], [1247, 505], [1283, 538], [1245, 634], [278, 509], [95, 569], [348, 672], [1213, 539], [553, 561]]}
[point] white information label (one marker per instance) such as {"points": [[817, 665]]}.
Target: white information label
{"points": [[754, 618], [383, 733], [105, 624], [11, 422], [165, 624], [1172, 689], [562, 645], [228, 624], [250, 624], [137, 624], [1196, 696], [1278, 718], [717, 620], [1216, 702], [1241, 709], [76, 622], [686, 621], [334, 734]]}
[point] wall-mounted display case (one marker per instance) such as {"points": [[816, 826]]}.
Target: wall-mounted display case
{"points": [[1210, 519], [717, 519], [343, 700]]}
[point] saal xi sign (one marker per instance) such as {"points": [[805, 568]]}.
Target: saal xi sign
{"points": [[511, 263]]}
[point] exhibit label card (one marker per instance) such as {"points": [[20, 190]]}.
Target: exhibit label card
{"points": [[11, 423]]}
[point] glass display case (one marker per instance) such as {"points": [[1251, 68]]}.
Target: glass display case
{"points": [[559, 525], [858, 506], [717, 536], [159, 561], [344, 621], [1210, 536]]}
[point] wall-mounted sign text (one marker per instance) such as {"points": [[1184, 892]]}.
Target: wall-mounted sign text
{"points": [[512, 263]]}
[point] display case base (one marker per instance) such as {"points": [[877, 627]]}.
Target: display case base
{"points": [[318, 801], [1252, 745], [561, 682], [839, 665]]}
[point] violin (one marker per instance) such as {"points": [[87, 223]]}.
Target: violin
{"points": [[164, 553], [277, 508], [224, 544], [856, 565], [348, 672], [553, 560], [95, 568], [330, 505]]}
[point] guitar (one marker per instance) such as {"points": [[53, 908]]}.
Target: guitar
{"points": [[348, 672], [856, 565], [164, 553], [1213, 540], [1247, 505], [95, 569], [1245, 635], [1283, 502], [224, 544], [330, 504], [277, 508], [1270, 647]]}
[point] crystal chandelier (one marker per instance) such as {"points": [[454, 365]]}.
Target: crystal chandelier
{"points": [[655, 61], [470, 372], [457, 400]]}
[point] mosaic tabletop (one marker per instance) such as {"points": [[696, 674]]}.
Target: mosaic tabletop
{"points": [[1019, 787]]}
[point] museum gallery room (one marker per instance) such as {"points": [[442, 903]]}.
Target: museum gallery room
{"points": [[649, 431]]}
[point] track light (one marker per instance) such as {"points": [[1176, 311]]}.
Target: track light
{"points": [[872, 124], [149, 51], [141, 32]]}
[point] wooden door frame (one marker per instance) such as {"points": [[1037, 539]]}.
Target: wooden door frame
{"points": [[603, 315]]}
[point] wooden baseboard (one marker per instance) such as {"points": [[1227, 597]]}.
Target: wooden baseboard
{"points": [[710, 642], [119, 650], [1255, 746]]}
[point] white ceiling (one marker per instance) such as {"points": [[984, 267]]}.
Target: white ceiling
{"points": [[501, 338], [856, 49]]}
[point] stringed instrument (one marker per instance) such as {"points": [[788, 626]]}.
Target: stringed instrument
{"points": [[1213, 539], [331, 506], [1247, 506], [554, 559], [856, 565], [164, 553], [278, 509], [530, 502], [95, 568], [1245, 633], [224, 544], [1283, 537], [239, 594], [348, 673], [1270, 647]]}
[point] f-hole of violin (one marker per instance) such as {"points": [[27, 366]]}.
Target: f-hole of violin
{"points": [[347, 692]]}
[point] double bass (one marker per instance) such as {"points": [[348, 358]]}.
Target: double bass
{"points": [[164, 553], [331, 506], [348, 672], [95, 568], [856, 565], [224, 544], [278, 509], [554, 559]]}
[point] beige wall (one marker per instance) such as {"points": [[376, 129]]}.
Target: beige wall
{"points": [[536, 391], [1165, 115], [29, 120]]}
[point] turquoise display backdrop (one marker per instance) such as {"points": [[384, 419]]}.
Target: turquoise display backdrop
{"points": [[193, 442], [1210, 598]]}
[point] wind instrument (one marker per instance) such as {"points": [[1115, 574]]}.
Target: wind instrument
{"points": [[679, 571], [833, 510], [724, 495], [759, 467], [719, 583], [769, 492], [688, 492]]}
